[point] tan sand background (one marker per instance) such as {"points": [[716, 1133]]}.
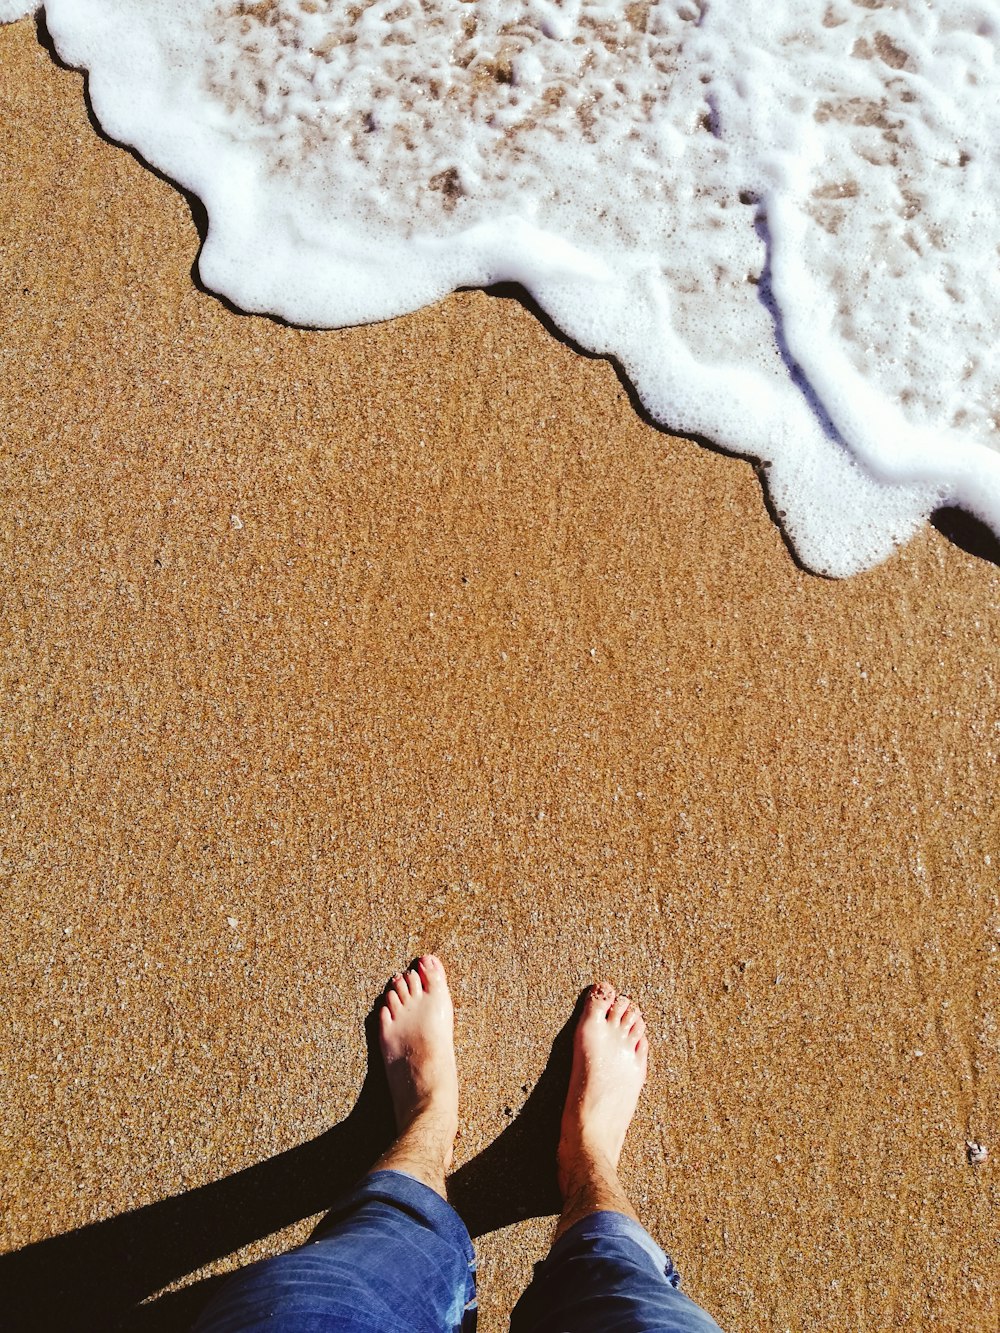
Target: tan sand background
{"points": [[322, 649]]}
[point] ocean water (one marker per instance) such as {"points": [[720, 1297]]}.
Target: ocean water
{"points": [[781, 217]]}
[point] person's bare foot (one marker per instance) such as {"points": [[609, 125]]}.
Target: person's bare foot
{"points": [[609, 1068], [416, 1034]]}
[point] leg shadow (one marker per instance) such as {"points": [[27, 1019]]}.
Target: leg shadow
{"points": [[97, 1278]]}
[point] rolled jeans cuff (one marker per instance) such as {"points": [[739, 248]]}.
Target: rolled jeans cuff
{"points": [[410, 1196], [597, 1226]]}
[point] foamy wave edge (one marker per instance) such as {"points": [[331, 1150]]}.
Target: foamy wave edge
{"points": [[844, 506]]}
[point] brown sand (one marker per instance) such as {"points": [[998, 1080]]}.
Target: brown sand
{"points": [[321, 649]]}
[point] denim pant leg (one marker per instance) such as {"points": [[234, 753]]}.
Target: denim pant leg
{"points": [[393, 1257], [607, 1274]]}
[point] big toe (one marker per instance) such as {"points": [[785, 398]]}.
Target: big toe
{"points": [[432, 973], [600, 998]]}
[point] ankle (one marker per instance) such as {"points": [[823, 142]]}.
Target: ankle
{"points": [[590, 1186], [586, 1153], [427, 1172], [434, 1118], [424, 1150], [582, 1168], [421, 1099]]}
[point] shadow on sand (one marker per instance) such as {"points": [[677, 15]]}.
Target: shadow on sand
{"points": [[105, 1276]]}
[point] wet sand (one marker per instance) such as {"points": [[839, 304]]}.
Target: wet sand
{"points": [[322, 649]]}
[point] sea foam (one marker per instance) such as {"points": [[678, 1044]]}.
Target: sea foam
{"points": [[781, 217]]}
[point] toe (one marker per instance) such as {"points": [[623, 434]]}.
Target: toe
{"points": [[602, 996], [637, 1024], [618, 1010], [391, 1008], [431, 971], [413, 981], [399, 987], [642, 1048]]}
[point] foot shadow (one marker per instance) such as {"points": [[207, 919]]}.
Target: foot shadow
{"points": [[97, 1277]]}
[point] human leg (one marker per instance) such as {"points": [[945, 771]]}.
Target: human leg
{"points": [[604, 1271], [393, 1255]]}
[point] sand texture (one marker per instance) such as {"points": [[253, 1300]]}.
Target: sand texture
{"points": [[322, 649]]}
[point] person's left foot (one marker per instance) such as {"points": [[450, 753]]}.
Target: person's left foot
{"points": [[416, 1031]]}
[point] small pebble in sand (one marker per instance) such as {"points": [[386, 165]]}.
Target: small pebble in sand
{"points": [[233, 921], [975, 1152], [236, 521]]}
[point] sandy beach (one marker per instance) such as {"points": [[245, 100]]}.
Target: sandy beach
{"points": [[321, 649]]}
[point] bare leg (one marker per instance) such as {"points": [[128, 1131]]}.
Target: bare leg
{"points": [[416, 1033], [609, 1069]]}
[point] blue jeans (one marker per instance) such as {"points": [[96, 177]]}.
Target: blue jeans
{"points": [[395, 1258]]}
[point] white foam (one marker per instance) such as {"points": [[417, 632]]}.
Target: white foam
{"points": [[780, 216]]}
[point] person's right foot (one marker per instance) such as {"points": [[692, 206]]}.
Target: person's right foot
{"points": [[609, 1068]]}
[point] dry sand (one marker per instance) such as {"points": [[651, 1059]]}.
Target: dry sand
{"points": [[321, 649]]}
